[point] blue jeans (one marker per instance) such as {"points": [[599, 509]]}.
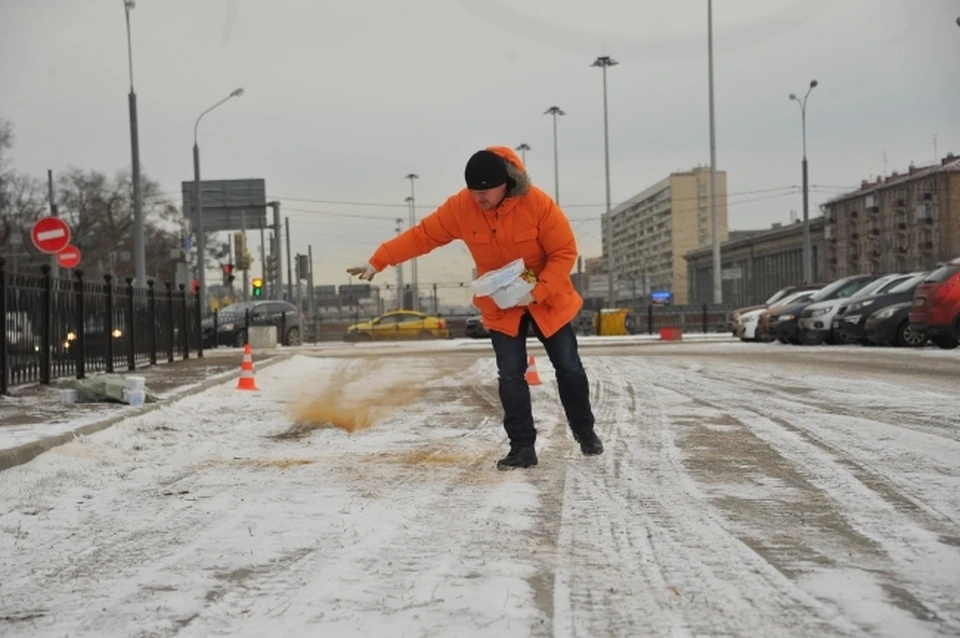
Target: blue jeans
{"points": [[572, 384]]}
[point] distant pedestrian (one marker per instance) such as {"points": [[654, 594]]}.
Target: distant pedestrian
{"points": [[501, 217]]}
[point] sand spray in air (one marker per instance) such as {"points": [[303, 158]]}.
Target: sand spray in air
{"points": [[352, 399]]}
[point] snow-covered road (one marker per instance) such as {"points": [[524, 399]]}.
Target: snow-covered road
{"points": [[746, 490]]}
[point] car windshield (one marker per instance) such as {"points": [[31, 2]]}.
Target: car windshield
{"points": [[879, 286], [910, 284], [942, 274], [797, 297], [777, 295], [840, 285], [237, 308]]}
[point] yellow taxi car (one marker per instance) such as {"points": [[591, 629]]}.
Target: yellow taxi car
{"points": [[397, 325]]}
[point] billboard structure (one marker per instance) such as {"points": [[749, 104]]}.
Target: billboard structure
{"points": [[228, 204]]}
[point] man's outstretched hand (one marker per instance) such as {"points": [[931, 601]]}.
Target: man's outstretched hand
{"points": [[364, 272]]}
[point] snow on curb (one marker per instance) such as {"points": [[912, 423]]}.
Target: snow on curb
{"points": [[26, 452]]}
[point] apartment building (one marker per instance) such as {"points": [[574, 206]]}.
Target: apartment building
{"points": [[654, 230], [908, 221]]}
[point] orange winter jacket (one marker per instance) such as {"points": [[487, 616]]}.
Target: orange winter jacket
{"points": [[527, 224]]}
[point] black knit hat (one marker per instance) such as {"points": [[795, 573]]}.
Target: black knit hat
{"points": [[485, 169]]}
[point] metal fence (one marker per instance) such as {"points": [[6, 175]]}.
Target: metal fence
{"points": [[57, 327]]}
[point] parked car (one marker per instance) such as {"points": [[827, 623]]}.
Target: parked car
{"points": [[748, 326], [786, 322], [891, 326], [474, 328], [232, 327], [936, 306], [776, 298], [400, 324], [815, 325], [850, 323]]}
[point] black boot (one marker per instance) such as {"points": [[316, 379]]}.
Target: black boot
{"points": [[590, 443], [518, 457]]}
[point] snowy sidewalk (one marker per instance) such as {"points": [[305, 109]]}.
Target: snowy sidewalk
{"points": [[33, 419]]}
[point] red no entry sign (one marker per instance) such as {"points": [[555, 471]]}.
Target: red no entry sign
{"points": [[69, 257], [50, 235]]}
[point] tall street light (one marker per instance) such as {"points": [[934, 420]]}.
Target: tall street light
{"points": [[198, 207], [139, 253], [523, 148], [555, 111], [714, 219], [603, 62], [413, 222], [807, 249]]}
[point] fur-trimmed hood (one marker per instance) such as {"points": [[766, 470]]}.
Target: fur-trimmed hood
{"points": [[519, 180]]}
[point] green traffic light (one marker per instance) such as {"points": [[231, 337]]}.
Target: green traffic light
{"points": [[258, 292]]}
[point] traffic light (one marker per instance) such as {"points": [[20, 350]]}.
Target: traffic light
{"points": [[228, 275], [240, 250], [271, 267], [257, 287], [303, 266]]}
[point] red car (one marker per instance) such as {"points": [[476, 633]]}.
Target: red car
{"points": [[936, 306]]}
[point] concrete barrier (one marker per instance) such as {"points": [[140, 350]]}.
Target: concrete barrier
{"points": [[263, 337]]}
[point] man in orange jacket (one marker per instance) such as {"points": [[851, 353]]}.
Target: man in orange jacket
{"points": [[501, 217]]}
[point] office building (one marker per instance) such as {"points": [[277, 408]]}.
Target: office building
{"points": [[654, 230], [756, 264]]}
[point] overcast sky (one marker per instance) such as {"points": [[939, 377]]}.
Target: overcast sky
{"points": [[343, 99]]}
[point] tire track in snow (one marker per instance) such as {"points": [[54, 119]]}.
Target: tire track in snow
{"points": [[892, 453], [638, 552], [907, 564]]}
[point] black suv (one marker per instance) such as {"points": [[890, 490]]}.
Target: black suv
{"points": [[232, 327]]}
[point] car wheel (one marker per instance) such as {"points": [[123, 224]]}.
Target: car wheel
{"points": [[425, 335], [809, 340], [293, 337], [240, 338], [945, 342], [908, 338]]}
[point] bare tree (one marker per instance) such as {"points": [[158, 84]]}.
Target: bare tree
{"points": [[99, 211], [21, 203]]}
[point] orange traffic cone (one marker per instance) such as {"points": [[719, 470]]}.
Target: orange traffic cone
{"points": [[533, 377], [247, 380]]}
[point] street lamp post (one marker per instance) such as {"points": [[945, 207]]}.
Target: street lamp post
{"points": [[807, 249], [714, 219], [413, 262], [555, 111], [523, 148], [139, 251], [603, 62], [198, 207]]}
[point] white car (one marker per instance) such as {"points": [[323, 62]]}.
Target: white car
{"points": [[816, 323], [747, 323]]}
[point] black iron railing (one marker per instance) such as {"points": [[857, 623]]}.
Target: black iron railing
{"points": [[55, 327]]}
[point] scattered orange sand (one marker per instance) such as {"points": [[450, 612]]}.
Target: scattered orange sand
{"points": [[337, 407], [279, 463], [430, 457]]}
